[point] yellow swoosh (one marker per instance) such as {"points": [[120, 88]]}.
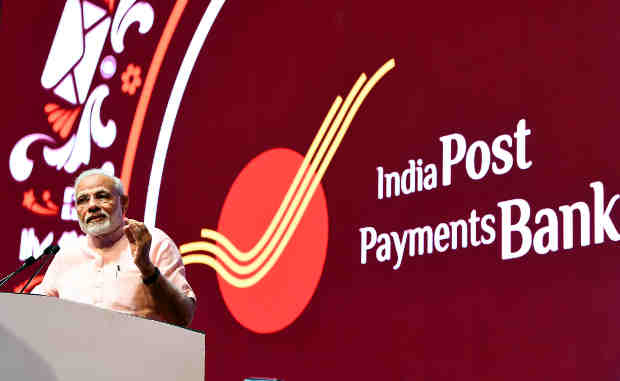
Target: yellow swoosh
{"points": [[251, 267], [246, 269]]}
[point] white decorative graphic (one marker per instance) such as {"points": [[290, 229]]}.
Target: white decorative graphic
{"points": [[127, 13], [59, 156], [68, 213], [103, 136], [69, 72], [30, 244], [76, 50], [77, 150], [19, 164], [108, 167], [108, 67], [75, 55], [92, 14]]}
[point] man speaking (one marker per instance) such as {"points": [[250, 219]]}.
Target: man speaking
{"points": [[120, 264]]}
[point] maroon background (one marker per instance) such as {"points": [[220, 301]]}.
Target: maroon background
{"points": [[265, 78]]}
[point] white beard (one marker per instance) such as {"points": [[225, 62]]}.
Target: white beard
{"points": [[101, 227]]}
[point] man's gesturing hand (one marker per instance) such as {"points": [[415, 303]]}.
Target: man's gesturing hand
{"points": [[140, 242]]}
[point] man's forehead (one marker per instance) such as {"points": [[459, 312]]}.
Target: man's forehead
{"points": [[93, 190], [95, 183]]}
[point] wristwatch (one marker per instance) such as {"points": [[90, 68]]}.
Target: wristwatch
{"points": [[152, 278]]}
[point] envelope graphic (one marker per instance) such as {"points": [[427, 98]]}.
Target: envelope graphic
{"points": [[76, 50]]}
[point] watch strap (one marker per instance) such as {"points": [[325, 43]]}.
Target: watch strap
{"points": [[152, 278]]}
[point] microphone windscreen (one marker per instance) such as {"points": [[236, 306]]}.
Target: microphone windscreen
{"points": [[51, 250]]}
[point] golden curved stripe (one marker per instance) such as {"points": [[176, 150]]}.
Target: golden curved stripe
{"points": [[249, 255], [214, 264], [251, 267], [308, 197], [195, 258], [248, 282]]}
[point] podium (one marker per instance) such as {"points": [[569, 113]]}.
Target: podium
{"points": [[48, 339]]}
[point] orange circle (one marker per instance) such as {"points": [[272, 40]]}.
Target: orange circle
{"points": [[280, 297]]}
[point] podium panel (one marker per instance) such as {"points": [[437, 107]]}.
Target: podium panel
{"points": [[45, 338]]}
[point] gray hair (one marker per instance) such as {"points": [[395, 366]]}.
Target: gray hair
{"points": [[118, 184]]}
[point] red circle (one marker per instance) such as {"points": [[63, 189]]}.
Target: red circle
{"points": [[281, 296]]}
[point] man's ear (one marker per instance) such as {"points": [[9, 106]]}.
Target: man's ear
{"points": [[124, 203]]}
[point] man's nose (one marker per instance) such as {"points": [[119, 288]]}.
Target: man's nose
{"points": [[93, 205]]}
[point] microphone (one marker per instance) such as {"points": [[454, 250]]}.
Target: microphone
{"points": [[50, 250]]}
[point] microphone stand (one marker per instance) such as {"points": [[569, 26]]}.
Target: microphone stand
{"points": [[29, 261], [51, 249]]}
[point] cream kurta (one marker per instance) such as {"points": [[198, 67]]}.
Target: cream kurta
{"points": [[113, 281]]}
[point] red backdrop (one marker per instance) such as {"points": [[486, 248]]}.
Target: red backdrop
{"points": [[264, 78]]}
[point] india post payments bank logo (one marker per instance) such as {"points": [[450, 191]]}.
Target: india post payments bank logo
{"points": [[263, 252], [268, 259]]}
